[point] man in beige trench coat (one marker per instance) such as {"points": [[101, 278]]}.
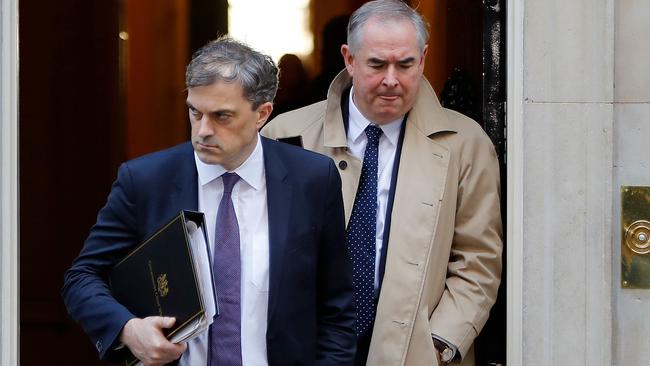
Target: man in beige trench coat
{"points": [[437, 223]]}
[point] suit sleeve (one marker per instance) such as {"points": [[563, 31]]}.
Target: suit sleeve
{"points": [[474, 268], [85, 291], [336, 337]]}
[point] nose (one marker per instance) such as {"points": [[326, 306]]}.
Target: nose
{"points": [[205, 127], [390, 78]]}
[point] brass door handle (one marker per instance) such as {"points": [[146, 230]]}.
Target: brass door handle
{"points": [[637, 237]]}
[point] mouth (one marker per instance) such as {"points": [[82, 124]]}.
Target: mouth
{"points": [[204, 146], [389, 98]]}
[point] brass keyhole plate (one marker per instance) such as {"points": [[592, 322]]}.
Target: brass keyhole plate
{"points": [[635, 237]]}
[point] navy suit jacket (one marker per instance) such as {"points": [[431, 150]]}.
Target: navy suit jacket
{"points": [[311, 314]]}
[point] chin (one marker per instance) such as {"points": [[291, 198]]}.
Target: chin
{"points": [[390, 116], [208, 159]]}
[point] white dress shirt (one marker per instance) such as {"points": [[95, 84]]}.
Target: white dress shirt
{"points": [[249, 199], [357, 141]]}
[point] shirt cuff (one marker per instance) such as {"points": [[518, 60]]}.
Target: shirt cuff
{"points": [[443, 342]]}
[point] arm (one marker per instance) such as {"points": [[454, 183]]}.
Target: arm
{"points": [[474, 268], [86, 292], [336, 337]]}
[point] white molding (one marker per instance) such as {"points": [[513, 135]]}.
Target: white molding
{"points": [[9, 183], [515, 182]]}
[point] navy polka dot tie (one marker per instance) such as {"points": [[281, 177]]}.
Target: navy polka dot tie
{"points": [[361, 234]]}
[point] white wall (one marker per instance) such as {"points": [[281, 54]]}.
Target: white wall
{"points": [[579, 128], [564, 122], [631, 167], [8, 183]]}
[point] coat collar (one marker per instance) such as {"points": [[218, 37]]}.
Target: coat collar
{"points": [[427, 115]]}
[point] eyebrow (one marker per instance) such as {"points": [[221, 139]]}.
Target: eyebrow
{"points": [[213, 113], [407, 60], [377, 60]]}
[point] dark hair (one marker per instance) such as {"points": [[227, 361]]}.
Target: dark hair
{"points": [[226, 59]]}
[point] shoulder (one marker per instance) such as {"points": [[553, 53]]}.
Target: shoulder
{"points": [[302, 167], [469, 145], [469, 133], [295, 156], [167, 156], [296, 122], [161, 164], [464, 125]]}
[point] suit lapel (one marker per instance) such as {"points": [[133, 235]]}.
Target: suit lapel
{"points": [[279, 193], [185, 195]]}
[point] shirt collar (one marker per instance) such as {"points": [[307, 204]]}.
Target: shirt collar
{"points": [[358, 123], [251, 171]]}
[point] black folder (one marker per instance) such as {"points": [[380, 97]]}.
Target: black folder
{"points": [[158, 278]]}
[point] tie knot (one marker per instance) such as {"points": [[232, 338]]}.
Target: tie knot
{"points": [[229, 180], [373, 133]]}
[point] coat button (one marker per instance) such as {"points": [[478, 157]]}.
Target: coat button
{"points": [[343, 164]]}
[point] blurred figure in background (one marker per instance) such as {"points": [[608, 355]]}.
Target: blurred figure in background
{"points": [[334, 36], [292, 85]]}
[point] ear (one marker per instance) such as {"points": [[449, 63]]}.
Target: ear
{"points": [[264, 111], [424, 55], [348, 57]]}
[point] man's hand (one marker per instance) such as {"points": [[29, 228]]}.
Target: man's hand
{"points": [[145, 339]]}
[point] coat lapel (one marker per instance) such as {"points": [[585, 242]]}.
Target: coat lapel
{"points": [[335, 140], [279, 193], [419, 191]]}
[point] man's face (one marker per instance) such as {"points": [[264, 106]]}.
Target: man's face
{"points": [[385, 70], [224, 126]]}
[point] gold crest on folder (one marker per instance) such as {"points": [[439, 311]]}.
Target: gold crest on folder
{"points": [[163, 288]]}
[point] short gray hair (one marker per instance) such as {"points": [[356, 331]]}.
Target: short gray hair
{"points": [[385, 10], [226, 59]]}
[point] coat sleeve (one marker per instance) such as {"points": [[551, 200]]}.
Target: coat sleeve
{"points": [[474, 268], [85, 291], [336, 313]]}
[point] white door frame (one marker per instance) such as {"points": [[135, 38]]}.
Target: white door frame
{"points": [[515, 181], [9, 183]]}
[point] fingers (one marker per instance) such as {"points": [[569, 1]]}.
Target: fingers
{"points": [[179, 348], [145, 339], [164, 354], [161, 322]]}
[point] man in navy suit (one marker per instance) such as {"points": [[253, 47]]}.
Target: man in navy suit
{"points": [[274, 214]]}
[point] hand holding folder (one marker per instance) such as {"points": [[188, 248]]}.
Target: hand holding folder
{"points": [[170, 275], [146, 341]]}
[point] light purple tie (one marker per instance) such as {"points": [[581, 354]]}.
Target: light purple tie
{"points": [[225, 331]]}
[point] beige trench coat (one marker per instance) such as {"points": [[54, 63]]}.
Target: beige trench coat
{"points": [[443, 265]]}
